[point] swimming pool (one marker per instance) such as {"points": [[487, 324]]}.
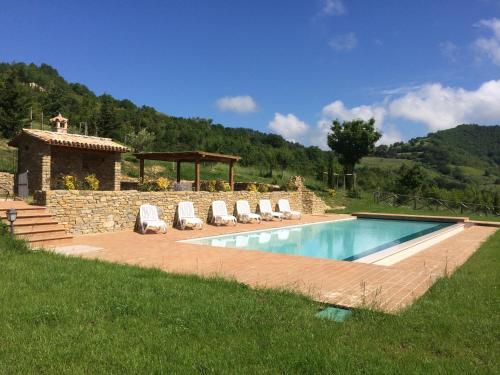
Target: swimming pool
{"points": [[342, 239]]}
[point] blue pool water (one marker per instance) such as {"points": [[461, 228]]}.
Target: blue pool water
{"points": [[343, 240]]}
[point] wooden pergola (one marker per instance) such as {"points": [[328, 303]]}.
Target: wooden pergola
{"points": [[195, 157]]}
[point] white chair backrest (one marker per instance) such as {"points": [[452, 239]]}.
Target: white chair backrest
{"points": [[284, 205], [219, 208], [265, 205], [186, 210], [148, 212], [242, 207]]}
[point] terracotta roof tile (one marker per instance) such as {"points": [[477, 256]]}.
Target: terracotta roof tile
{"points": [[72, 140]]}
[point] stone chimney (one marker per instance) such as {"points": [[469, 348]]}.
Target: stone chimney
{"points": [[59, 124]]}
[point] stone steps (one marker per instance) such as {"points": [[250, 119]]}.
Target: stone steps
{"points": [[36, 225]]}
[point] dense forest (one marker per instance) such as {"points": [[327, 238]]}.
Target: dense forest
{"points": [[25, 87], [463, 158]]}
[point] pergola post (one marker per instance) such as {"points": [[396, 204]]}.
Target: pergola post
{"points": [[231, 175], [197, 175], [141, 169], [178, 171]]}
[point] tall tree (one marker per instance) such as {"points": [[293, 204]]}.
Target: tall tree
{"points": [[107, 121], [352, 140], [14, 101]]}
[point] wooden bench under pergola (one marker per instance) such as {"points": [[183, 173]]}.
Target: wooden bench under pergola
{"points": [[195, 157]]}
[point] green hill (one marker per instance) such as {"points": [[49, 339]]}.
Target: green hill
{"points": [[41, 88], [465, 156]]}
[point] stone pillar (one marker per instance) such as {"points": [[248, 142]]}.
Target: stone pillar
{"points": [[46, 173], [118, 171]]}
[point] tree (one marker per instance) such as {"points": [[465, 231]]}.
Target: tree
{"points": [[13, 105], [411, 180], [107, 122], [352, 140], [141, 140]]}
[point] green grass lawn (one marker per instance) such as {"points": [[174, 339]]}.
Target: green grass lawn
{"points": [[62, 315]]}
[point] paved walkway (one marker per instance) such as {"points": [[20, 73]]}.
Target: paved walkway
{"points": [[350, 284]]}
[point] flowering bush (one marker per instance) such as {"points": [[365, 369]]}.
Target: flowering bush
{"points": [[332, 192], [252, 187], [162, 183], [69, 182], [91, 182]]}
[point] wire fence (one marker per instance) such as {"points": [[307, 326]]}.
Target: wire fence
{"points": [[436, 204], [8, 161]]}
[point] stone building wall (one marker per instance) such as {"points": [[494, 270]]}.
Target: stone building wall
{"points": [[81, 163], [106, 211], [34, 157], [7, 182]]}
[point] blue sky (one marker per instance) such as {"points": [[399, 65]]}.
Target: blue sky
{"points": [[288, 67]]}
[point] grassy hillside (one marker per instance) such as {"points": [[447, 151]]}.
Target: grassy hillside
{"points": [[466, 154], [43, 90], [466, 157]]}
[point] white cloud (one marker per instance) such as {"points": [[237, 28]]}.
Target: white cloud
{"points": [[390, 135], [449, 50], [490, 47], [343, 42], [337, 110], [238, 104], [433, 105], [333, 8], [288, 126], [441, 107]]}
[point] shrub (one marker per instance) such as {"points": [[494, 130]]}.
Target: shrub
{"points": [[332, 192], [211, 187], [263, 188], [354, 193], [69, 182], [145, 185], [91, 182], [252, 187], [162, 183], [220, 185]]}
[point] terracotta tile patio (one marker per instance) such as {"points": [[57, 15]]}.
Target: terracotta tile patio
{"points": [[349, 284]]}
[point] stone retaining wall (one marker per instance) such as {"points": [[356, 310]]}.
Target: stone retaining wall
{"points": [[7, 182], [105, 211]]}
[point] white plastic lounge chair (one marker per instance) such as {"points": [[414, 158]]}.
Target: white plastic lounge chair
{"points": [[244, 213], [284, 207], [187, 218], [220, 215], [149, 219], [266, 211]]}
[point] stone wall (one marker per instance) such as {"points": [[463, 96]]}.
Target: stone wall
{"points": [[80, 163], [106, 211], [34, 157], [7, 182]]}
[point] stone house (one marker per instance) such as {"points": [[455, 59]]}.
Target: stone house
{"points": [[48, 155]]}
